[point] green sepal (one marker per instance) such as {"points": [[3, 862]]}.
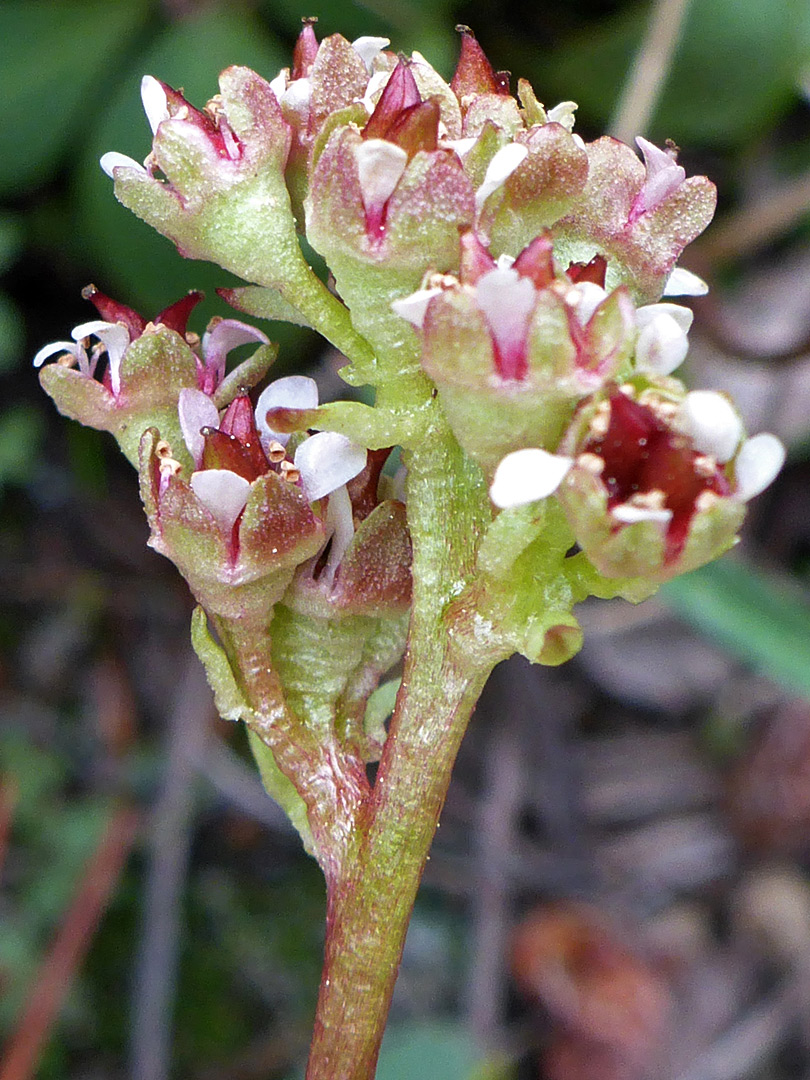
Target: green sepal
{"points": [[543, 188]]}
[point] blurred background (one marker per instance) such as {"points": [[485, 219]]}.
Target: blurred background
{"points": [[621, 885]]}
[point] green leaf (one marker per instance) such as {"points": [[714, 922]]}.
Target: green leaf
{"points": [[762, 618], [53, 59]]}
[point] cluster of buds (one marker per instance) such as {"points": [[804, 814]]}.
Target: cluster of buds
{"points": [[479, 248]]}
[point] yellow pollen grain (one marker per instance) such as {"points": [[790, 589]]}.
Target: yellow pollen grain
{"points": [[628, 390], [66, 360], [276, 452], [192, 338], [706, 500]]}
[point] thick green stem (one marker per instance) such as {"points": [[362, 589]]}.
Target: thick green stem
{"points": [[371, 897]]}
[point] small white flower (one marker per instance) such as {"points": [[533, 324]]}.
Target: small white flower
{"points": [[526, 475], [114, 337], [503, 164]]}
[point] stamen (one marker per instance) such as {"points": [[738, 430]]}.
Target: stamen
{"points": [[163, 449], [192, 339], [67, 360], [628, 390], [182, 113], [275, 452], [289, 472], [600, 421], [706, 500], [705, 466], [169, 466], [591, 463], [647, 500]]}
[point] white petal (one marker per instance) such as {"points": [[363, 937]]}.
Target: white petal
{"points": [[326, 460], [291, 392], [461, 146], [526, 475], [57, 347], [297, 95], [380, 165], [629, 514], [413, 308], [662, 346], [507, 301], [503, 164], [759, 460], [279, 84], [712, 423], [196, 410], [369, 48], [591, 296], [563, 114], [340, 523], [664, 176], [374, 89], [116, 340], [155, 103], [223, 493], [683, 316], [225, 335], [684, 283], [112, 160]]}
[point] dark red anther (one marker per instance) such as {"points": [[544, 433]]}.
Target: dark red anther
{"points": [[306, 49], [400, 93], [536, 261], [112, 311], [474, 74], [591, 271], [475, 259], [175, 316]]}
